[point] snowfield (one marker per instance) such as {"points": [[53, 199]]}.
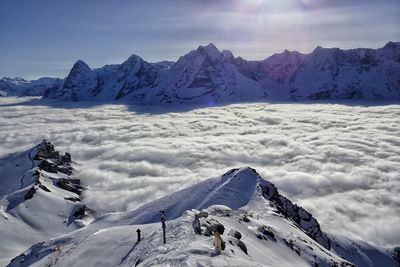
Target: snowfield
{"points": [[339, 161]]}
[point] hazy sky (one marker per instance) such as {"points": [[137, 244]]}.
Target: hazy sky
{"points": [[45, 37]]}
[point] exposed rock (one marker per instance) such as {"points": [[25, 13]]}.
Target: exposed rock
{"points": [[299, 215], [72, 185], [245, 219], [44, 188], [73, 199], [66, 158], [396, 254], [242, 246], [45, 150], [293, 246], [236, 242], [30, 193], [80, 212], [235, 234], [48, 166], [66, 169], [266, 232]]}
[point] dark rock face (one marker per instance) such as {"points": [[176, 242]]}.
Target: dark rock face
{"points": [[396, 254], [299, 215], [80, 213], [72, 185], [245, 219], [45, 150], [66, 158], [53, 162], [48, 166], [242, 246], [30, 193], [266, 233], [235, 233]]}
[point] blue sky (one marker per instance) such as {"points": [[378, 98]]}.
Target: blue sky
{"points": [[45, 37]]}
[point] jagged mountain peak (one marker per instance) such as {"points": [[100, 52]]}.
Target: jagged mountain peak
{"points": [[228, 55], [210, 51], [209, 48], [133, 59], [80, 64], [392, 45]]}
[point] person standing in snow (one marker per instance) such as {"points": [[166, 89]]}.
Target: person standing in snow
{"points": [[217, 241]]}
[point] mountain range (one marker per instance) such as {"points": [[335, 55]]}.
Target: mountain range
{"points": [[207, 76]]}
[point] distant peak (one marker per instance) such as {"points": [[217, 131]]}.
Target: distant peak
{"points": [[18, 79], [228, 55], [210, 46], [318, 48], [391, 45], [209, 49], [81, 65], [133, 58]]}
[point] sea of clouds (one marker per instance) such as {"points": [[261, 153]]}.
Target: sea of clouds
{"points": [[339, 161]]}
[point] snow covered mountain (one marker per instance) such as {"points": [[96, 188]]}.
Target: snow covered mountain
{"points": [[21, 87], [207, 75], [108, 82], [259, 226], [204, 76], [39, 198]]}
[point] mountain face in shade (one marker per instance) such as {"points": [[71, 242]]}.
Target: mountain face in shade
{"points": [[207, 75], [82, 83]]}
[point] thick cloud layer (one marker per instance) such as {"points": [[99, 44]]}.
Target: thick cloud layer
{"points": [[342, 162]]}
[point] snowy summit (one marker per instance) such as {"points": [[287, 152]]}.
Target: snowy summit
{"points": [[257, 226]]}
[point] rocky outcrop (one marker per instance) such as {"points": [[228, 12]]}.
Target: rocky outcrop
{"points": [[48, 162], [51, 160], [300, 216]]}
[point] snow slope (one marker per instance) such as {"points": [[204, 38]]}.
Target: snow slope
{"points": [[273, 232], [39, 199]]}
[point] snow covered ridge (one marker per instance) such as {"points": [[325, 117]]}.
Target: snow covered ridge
{"points": [[207, 76], [39, 198], [259, 226]]}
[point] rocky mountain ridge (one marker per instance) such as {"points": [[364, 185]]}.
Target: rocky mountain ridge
{"points": [[39, 198], [260, 227]]}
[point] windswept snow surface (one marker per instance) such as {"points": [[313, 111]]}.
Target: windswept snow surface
{"points": [[339, 161]]}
